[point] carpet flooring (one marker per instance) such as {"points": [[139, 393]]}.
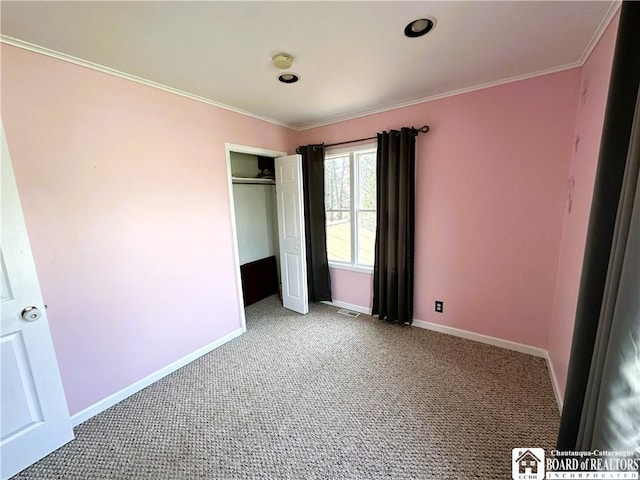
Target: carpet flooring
{"points": [[322, 396]]}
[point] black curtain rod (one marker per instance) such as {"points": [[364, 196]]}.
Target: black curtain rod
{"points": [[414, 131]]}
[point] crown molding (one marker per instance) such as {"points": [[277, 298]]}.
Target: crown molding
{"points": [[439, 96], [613, 9], [150, 83]]}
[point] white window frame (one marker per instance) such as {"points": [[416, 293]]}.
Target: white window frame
{"points": [[354, 211]]}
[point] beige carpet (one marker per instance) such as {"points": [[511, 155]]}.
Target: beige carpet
{"points": [[322, 397]]}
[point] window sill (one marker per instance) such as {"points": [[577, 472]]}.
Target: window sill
{"points": [[351, 268]]}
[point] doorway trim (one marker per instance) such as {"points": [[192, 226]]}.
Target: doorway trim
{"points": [[263, 152]]}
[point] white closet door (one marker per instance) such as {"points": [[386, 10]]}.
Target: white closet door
{"points": [[293, 257]]}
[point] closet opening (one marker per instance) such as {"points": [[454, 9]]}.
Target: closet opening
{"points": [[267, 216], [254, 203]]}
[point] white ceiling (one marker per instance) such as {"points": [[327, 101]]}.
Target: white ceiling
{"points": [[352, 57]]}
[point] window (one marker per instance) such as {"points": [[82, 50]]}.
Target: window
{"points": [[350, 204]]}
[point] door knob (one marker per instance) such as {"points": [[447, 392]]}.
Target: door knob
{"points": [[30, 314]]}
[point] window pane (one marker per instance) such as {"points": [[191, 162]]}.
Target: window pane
{"points": [[366, 237], [337, 194], [367, 180], [339, 236]]}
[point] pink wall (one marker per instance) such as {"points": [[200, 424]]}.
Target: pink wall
{"points": [[124, 190], [351, 287], [491, 183], [591, 108]]}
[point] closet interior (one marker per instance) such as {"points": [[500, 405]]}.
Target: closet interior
{"points": [[254, 198]]}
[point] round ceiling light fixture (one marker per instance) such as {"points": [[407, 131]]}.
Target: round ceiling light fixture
{"points": [[288, 77], [419, 27], [282, 60]]}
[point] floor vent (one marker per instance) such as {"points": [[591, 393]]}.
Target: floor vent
{"points": [[348, 313]]}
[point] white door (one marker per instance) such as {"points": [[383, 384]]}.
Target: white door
{"points": [[35, 418], [293, 257]]}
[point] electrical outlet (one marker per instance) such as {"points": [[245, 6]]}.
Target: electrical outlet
{"points": [[439, 306]]}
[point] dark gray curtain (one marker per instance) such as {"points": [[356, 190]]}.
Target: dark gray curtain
{"points": [[394, 247], [318, 280], [602, 398]]}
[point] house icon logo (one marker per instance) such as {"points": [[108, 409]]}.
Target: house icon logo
{"points": [[527, 463]]}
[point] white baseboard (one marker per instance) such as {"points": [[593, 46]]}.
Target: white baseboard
{"points": [[117, 397], [478, 337], [554, 382], [349, 306], [498, 342]]}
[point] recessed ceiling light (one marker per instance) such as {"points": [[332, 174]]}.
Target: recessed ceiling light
{"points": [[288, 77], [419, 27]]}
